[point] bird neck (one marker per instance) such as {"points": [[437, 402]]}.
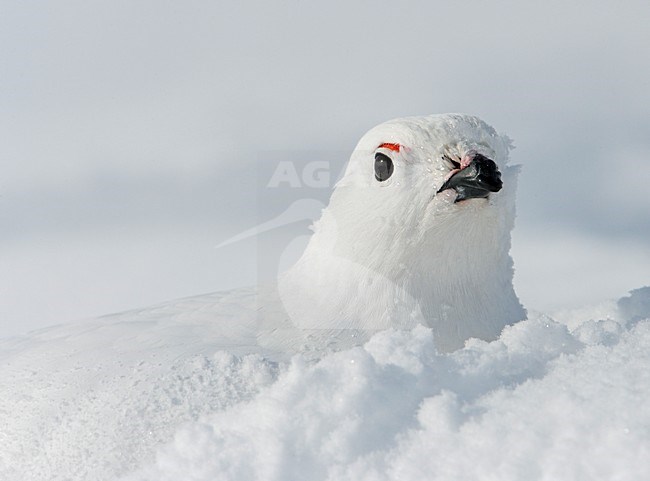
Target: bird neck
{"points": [[456, 280]]}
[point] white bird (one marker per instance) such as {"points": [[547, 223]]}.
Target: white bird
{"points": [[417, 231]]}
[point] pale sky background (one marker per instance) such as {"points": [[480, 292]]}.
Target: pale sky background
{"points": [[135, 136]]}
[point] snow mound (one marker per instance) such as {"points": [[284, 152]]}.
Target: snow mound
{"points": [[541, 402], [153, 395], [636, 306], [73, 429]]}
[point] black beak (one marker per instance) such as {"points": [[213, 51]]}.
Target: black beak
{"points": [[475, 181]]}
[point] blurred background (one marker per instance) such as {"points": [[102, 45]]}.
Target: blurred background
{"points": [[136, 136]]}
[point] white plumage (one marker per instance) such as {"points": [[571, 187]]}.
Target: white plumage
{"points": [[384, 254], [396, 254]]}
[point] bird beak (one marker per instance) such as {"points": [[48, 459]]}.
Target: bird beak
{"points": [[475, 179]]}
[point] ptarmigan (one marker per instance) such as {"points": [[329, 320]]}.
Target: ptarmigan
{"points": [[417, 231]]}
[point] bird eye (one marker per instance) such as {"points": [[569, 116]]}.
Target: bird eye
{"points": [[383, 167]]}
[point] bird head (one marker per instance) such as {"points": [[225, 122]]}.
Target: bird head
{"points": [[421, 180]]}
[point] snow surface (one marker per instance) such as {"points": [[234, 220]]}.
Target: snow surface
{"points": [[547, 400]]}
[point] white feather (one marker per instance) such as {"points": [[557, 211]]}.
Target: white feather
{"points": [[395, 254], [391, 254]]}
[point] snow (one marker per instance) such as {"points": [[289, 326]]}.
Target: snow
{"points": [[547, 400], [536, 404]]}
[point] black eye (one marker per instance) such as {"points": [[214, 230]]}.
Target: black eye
{"points": [[383, 167]]}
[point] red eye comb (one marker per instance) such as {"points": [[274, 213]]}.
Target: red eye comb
{"points": [[393, 147]]}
